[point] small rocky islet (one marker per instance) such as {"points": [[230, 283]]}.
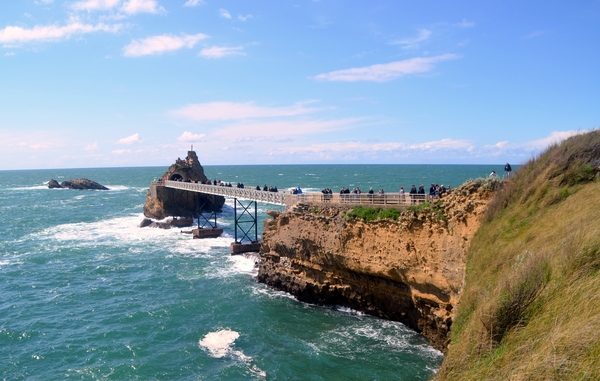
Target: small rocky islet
{"points": [[83, 184]]}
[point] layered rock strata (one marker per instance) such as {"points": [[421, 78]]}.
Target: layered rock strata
{"points": [[411, 270], [162, 202]]}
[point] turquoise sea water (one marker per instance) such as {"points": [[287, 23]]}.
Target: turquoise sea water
{"points": [[87, 295]]}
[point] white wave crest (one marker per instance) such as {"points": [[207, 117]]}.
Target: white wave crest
{"points": [[261, 289], [35, 187], [118, 187], [219, 344], [234, 265]]}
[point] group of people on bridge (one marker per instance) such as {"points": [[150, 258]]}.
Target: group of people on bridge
{"points": [[415, 194], [267, 188]]}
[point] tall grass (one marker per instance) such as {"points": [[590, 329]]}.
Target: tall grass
{"points": [[530, 309]]}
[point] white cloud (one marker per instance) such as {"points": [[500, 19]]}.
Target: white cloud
{"points": [[140, 6], [221, 51], [121, 151], [465, 24], [92, 5], [424, 35], [525, 149], [441, 144], [284, 128], [224, 13], [16, 34], [160, 44], [15, 140], [40, 146], [534, 34], [244, 18], [554, 138], [9, 54], [91, 147], [133, 139], [232, 111], [193, 3], [360, 148], [501, 144], [386, 72], [189, 137]]}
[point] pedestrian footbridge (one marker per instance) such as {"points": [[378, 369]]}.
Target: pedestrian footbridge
{"points": [[246, 212]]}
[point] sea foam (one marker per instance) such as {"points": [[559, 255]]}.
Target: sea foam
{"points": [[219, 344]]}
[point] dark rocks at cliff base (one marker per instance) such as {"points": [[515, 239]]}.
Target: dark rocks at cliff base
{"points": [[148, 223], [175, 222], [83, 184]]}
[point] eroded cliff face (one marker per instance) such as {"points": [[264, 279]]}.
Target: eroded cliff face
{"points": [[411, 270]]}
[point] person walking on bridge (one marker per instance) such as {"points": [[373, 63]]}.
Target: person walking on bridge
{"points": [[413, 194]]}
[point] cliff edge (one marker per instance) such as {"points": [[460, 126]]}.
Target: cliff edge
{"points": [[410, 270]]}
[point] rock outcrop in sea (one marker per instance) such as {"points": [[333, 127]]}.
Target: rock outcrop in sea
{"points": [[411, 270], [84, 184], [168, 224], [163, 202]]}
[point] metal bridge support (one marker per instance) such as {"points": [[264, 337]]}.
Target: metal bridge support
{"points": [[245, 222], [206, 227], [206, 220]]}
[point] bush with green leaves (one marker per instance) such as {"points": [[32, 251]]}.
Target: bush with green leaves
{"points": [[370, 214]]}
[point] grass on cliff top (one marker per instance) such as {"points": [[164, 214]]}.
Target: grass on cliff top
{"points": [[530, 309], [370, 214]]}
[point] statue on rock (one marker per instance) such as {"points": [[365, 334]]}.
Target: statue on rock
{"points": [[188, 169]]}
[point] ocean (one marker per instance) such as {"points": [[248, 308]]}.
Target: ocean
{"points": [[87, 295]]}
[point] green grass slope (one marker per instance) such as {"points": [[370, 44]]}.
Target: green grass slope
{"points": [[530, 309]]}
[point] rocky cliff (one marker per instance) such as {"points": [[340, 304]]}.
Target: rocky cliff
{"points": [[163, 202], [411, 270]]}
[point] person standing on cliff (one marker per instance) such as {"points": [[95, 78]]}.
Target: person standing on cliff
{"points": [[401, 194], [507, 170]]}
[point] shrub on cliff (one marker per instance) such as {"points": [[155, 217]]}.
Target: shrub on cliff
{"points": [[492, 183], [370, 214], [435, 207], [530, 308]]}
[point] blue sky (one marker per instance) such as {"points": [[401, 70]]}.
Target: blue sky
{"points": [[111, 83]]}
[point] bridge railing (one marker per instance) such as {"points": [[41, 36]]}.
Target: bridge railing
{"points": [[288, 199], [363, 198], [278, 198]]}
